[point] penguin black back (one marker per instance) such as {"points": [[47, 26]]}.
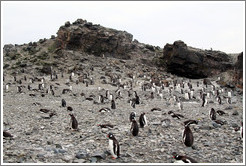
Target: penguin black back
{"points": [[137, 98], [188, 136], [134, 128], [132, 116], [74, 122], [189, 122], [113, 106], [184, 159], [142, 120], [114, 146], [63, 103], [212, 114]]}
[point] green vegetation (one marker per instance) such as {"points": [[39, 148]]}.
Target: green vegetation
{"points": [[52, 48], [43, 55]]}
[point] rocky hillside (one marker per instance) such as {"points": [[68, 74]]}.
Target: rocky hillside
{"points": [[72, 43], [65, 52]]}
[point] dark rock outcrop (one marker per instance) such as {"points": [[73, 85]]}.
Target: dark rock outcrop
{"points": [[95, 39], [186, 61]]}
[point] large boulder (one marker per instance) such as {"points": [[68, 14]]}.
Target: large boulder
{"points": [[186, 61], [95, 39]]}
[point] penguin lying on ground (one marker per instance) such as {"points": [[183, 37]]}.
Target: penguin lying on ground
{"points": [[183, 159], [178, 116]]}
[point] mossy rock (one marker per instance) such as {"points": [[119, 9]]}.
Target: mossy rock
{"points": [[6, 66], [43, 55]]}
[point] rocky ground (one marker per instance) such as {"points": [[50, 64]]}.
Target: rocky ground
{"points": [[40, 139]]}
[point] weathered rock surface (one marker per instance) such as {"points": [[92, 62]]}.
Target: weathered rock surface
{"points": [[183, 60], [98, 40]]}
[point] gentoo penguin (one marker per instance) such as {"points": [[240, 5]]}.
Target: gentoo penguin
{"points": [[7, 134], [133, 103], [113, 104], [220, 122], [219, 100], [229, 93], [178, 116], [7, 87], [212, 114], [142, 120], [228, 99], [29, 87], [73, 122], [132, 116], [69, 108], [188, 136], [105, 109], [180, 105], [137, 98], [114, 146], [187, 96], [19, 90], [100, 99], [241, 130], [152, 95], [204, 100], [134, 128], [44, 110], [155, 109], [220, 112], [63, 103], [105, 125], [52, 92], [189, 122], [183, 159]]}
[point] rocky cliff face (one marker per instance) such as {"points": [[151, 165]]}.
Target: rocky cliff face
{"points": [[190, 62], [98, 40]]}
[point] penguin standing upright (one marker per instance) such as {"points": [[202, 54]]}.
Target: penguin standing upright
{"points": [[241, 130], [132, 116], [134, 128], [137, 98], [180, 105], [228, 99], [63, 103], [219, 100], [212, 114], [113, 106], [142, 120], [114, 146], [133, 103], [204, 100], [188, 136], [73, 122]]}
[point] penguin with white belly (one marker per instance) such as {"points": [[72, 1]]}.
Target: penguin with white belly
{"points": [[114, 146]]}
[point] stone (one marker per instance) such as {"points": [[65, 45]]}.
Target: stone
{"points": [[186, 61], [100, 155], [93, 159], [235, 113], [82, 154]]}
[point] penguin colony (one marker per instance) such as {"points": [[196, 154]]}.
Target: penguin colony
{"points": [[174, 95]]}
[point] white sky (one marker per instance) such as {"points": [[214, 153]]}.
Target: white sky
{"points": [[200, 24]]}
